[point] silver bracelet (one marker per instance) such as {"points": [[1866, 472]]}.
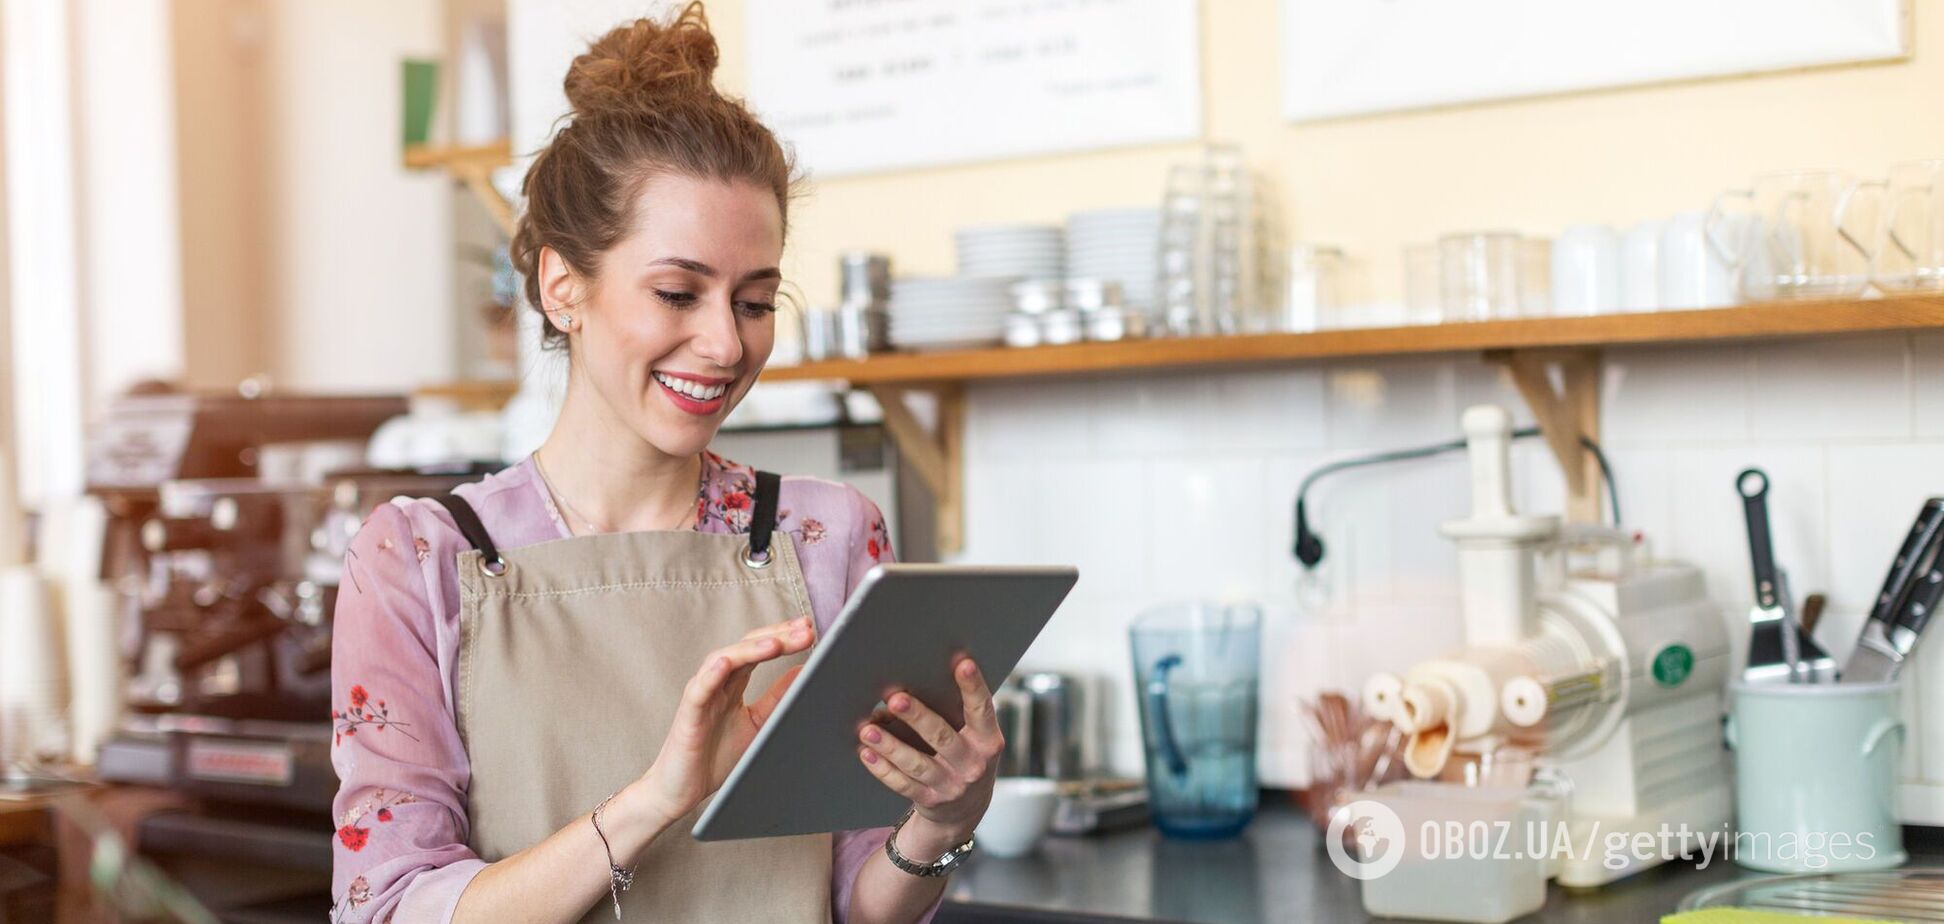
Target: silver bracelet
{"points": [[619, 880]]}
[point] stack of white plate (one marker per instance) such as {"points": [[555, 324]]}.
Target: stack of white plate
{"points": [[1018, 251], [1118, 245], [949, 312]]}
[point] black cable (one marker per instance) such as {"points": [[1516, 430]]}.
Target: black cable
{"points": [[1308, 546], [1606, 474]]}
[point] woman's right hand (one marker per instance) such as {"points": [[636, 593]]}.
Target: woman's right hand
{"points": [[713, 726]]}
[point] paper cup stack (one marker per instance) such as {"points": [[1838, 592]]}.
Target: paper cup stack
{"points": [[1012, 251], [1117, 245]]}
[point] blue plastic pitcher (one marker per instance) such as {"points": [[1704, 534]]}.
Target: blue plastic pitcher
{"points": [[1196, 669]]}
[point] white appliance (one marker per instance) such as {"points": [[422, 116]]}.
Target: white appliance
{"points": [[1610, 665]]}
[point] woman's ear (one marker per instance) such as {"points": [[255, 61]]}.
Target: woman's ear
{"points": [[561, 289]]}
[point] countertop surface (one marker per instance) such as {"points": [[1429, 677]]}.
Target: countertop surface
{"points": [[1276, 871]]}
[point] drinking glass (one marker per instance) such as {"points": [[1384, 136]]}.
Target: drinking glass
{"points": [[1907, 248], [1312, 296], [1793, 245], [1479, 275], [1211, 276], [1182, 284], [1196, 670]]}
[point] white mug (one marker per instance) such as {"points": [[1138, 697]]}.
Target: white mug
{"points": [[1694, 273], [1586, 270], [1640, 267]]}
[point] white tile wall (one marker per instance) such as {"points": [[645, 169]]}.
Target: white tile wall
{"points": [[1162, 487], [1843, 388], [1927, 385]]}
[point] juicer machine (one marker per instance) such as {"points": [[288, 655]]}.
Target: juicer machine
{"points": [[1608, 666]]}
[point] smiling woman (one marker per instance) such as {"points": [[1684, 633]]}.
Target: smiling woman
{"points": [[668, 327], [570, 642]]}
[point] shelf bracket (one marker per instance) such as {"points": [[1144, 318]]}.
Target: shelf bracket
{"points": [[1565, 414], [936, 457], [473, 167]]}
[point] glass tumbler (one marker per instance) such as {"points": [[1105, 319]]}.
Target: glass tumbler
{"points": [[1312, 297], [1196, 673], [1478, 274], [1182, 264]]}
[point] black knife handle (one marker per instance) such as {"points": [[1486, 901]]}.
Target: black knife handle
{"points": [[1753, 484], [1925, 592], [1924, 533]]}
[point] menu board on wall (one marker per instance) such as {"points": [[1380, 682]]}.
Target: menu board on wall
{"points": [[1349, 57], [869, 85]]}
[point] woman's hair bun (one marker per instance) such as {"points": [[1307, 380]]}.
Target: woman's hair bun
{"points": [[641, 64]]}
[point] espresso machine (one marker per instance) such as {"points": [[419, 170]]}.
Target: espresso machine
{"points": [[228, 520]]}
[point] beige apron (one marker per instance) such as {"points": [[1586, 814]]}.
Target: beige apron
{"points": [[571, 663]]}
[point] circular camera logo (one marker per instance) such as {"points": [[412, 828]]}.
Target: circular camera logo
{"points": [[1379, 836]]}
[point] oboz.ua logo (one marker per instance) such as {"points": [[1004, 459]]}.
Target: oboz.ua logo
{"points": [[1378, 834]]}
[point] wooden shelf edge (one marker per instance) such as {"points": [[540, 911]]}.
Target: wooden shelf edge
{"points": [[492, 155], [1745, 322]]}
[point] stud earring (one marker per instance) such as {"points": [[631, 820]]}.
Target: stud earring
{"points": [[566, 320]]}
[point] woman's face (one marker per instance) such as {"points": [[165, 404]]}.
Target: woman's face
{"points": [[682, 316]]}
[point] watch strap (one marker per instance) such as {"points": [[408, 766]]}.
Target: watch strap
{"points": [[942, 866]]}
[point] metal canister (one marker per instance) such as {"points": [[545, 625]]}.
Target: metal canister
{"points": [[861, 322], [864, 276], [1015, 710], [1058, 727]]}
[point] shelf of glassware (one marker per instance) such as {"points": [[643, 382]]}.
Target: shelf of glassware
{"points": [[1554, 362], [1744, 322]]}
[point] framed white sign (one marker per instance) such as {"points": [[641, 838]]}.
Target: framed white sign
{"points": [[1350, 57], [869, 85]]}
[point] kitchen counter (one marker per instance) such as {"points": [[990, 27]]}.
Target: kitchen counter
{"points": [[1275, 872]]}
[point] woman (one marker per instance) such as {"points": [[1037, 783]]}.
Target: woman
{"points": [[538, 684]]}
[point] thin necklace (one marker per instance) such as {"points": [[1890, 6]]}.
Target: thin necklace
{"points": [[586, 521]]}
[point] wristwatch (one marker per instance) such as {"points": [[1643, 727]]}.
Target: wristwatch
{"points": [[942, 866]]}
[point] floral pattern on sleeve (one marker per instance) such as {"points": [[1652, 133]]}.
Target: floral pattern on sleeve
{"points": [[378, 805], [810, 533], [355, 897], [364, 712], [878, 543]]}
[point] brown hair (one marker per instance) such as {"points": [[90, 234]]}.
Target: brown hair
{"points": [[643, 105]]}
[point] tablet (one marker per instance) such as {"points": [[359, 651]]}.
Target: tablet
{"points": [[902, 629]]}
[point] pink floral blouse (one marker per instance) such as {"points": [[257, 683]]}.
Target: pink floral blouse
{"points": [[400, 851]]}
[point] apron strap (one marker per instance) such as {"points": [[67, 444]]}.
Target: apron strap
{"points": [[762, 521], [474, 531]]}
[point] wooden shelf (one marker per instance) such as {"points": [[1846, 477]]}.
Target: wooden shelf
{"points": [[1748, 322], [1534, 352], [496, 154], [471, 394]]}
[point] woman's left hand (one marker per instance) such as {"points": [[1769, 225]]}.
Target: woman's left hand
{"points": [[951, 786]]}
